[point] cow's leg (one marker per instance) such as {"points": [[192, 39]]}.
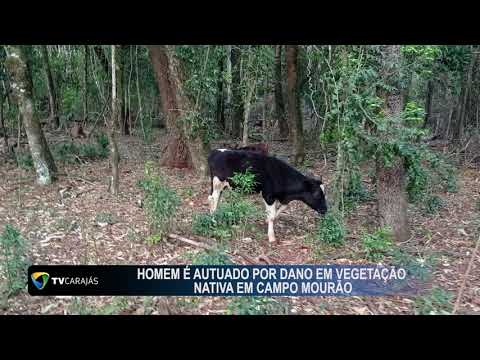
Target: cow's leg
{"points": [[217, 188], [279, 210], [271, 211]]}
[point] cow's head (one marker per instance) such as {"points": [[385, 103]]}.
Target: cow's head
{"points": [[315, 195]]}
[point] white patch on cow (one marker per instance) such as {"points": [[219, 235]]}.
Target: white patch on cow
{"points": [[271, 213], [323, 188], [222, 150], [218, 187]]}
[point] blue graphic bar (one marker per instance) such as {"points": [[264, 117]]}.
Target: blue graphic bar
{"points": [[221, 280]]}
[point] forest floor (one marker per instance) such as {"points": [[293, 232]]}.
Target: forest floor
{"points": [[61, 225]]}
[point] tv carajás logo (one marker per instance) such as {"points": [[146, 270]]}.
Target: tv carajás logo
{"points": [[40, 279]]}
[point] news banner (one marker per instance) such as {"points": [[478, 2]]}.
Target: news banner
{"points": [[220, 280]]}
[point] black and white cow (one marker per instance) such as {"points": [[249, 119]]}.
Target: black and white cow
{"points": [[278, 182]]}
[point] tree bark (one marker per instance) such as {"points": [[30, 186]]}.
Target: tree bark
{"points": [[184, 149], [391, 182], [228, 89], [220, 112], [462, 104], [248, 104], [85, 83], [237, 101], [279, 104], [52, 98], [428, 104], [21, 82], [114, 155], [2, 121], [121, 88], [293, 98], [102, 57]]}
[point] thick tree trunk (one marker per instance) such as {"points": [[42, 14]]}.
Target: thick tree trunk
{"points": [[21, 79], [184, 148], [237, 101], [220, 112], [52, 98], [294, 110], [114, 155], [279, 104], [391, 182]]}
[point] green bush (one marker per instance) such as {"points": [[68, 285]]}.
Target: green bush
{"points": [[378, 244], [160, 203], [355, 192], [244, 182], [433, 204], [215, 256], [233, 215], [437, 302], [419, 268], [250, 305], [24, 159], [331, 230], [428, 172], [418, 182], [204, 224], [14, 264], [102, 141], [70, 152], [413, 114]]}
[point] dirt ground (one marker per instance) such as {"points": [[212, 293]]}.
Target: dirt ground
{"points": [[60, 223]]}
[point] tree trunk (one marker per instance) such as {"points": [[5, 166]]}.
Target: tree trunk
{"points": [[121, 88], [428, 104], [220, 113], [391, 182], [102, 57], [52, 99], [462, 104], [228, 90], [85, 84], [114, 155], [279, 104], [237, 101], [21, 79], [294, 110], [184, 149], [2, 121], [248, 104]]}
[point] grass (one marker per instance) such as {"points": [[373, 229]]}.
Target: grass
{"points": [[14, 261], [436, 302], [251, 305]]}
